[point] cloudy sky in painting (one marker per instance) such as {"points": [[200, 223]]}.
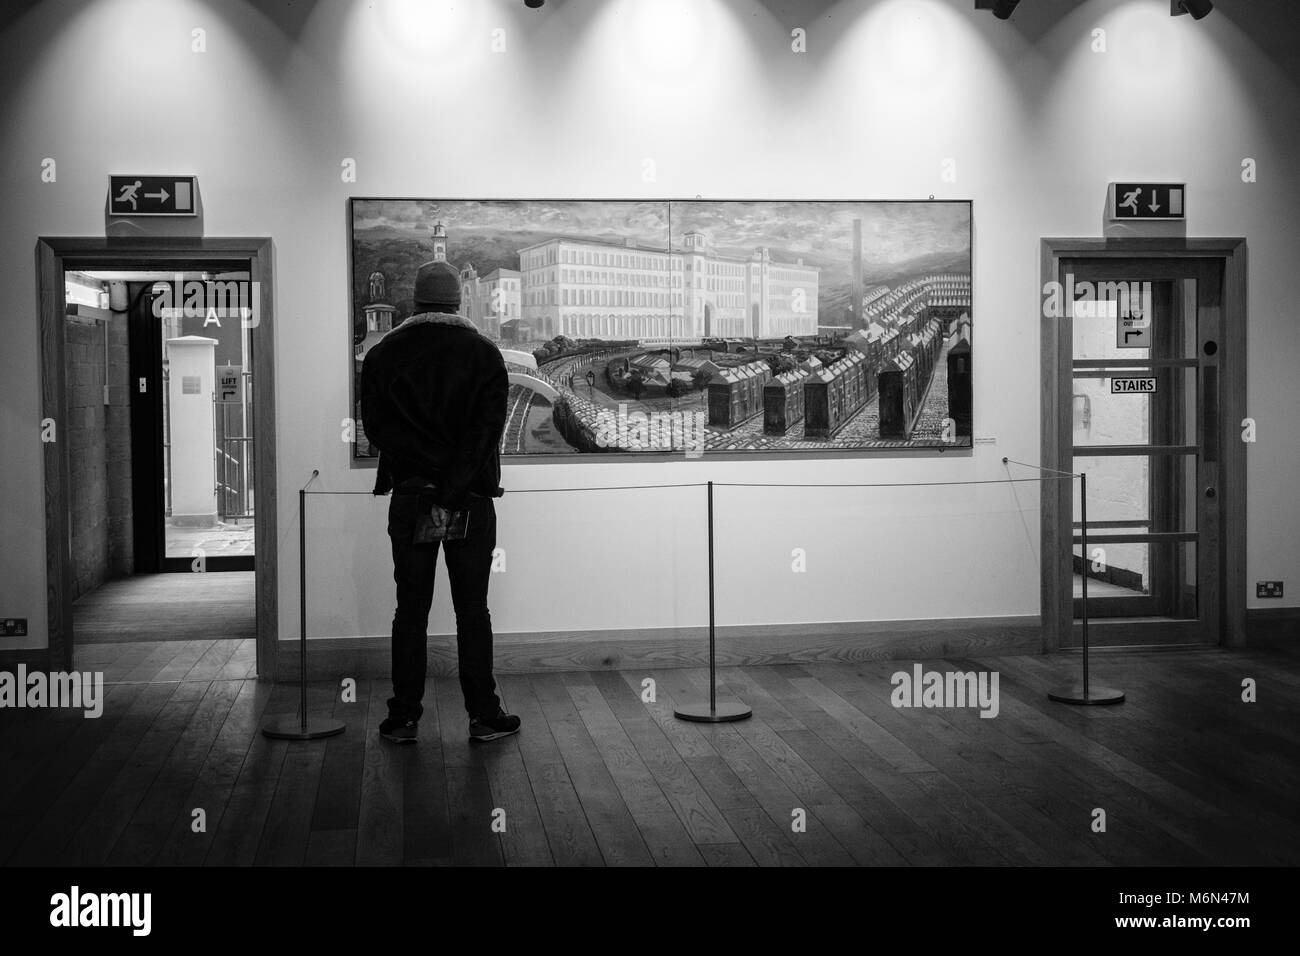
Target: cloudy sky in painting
{"points": [[644, 222], [892, 233]]}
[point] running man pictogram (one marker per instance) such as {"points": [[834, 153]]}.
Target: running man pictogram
{"points": [[127, 194], [1131, 200]]}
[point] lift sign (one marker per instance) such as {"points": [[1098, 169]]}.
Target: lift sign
{"points": [[228, 382], [1131, 384]]}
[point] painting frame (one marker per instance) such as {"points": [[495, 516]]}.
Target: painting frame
{"points": [[955, 440]]}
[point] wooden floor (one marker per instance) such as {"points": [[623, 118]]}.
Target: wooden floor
{"points": [[180, 606], [1186, 773]]}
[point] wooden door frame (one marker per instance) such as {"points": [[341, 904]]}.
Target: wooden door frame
{"points": [[1057, 426], [53, 256]]}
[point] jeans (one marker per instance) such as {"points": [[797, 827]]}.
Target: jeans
{"points": [[469, 565]]}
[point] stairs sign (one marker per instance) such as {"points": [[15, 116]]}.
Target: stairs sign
{"points": [[1133, 385], [131, 196]]}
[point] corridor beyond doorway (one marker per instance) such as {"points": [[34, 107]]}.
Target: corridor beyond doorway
{"points": [[169, 607]]}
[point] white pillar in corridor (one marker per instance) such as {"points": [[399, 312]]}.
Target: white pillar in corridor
{"points": [[191, 363]]}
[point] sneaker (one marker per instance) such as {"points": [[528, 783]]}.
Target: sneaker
{"points": [[398, 730], [490, 728]]}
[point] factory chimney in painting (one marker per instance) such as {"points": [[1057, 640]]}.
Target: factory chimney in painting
{"points": [[858, 322]]}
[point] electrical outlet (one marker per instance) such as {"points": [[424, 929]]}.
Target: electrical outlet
{"points": [[1268, 589], [13, 627]]}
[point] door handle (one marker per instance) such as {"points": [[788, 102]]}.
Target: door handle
{"points": [[1210, 492]]}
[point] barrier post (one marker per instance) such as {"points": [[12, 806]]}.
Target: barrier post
{"points": [[1084, 693], [714, 713], [302, 727]]}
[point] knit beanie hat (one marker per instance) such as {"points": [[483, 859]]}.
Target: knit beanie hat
{"points": [[437, 285]]}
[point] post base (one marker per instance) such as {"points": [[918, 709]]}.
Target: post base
{"points": [[1073, 694], [720, 714], [290, 727]]}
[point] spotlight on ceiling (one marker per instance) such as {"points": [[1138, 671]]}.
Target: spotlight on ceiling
{"points": [[1002, 9], [1199, 9], [533, 4]]}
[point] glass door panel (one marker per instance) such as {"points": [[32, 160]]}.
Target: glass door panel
{"points": [[1136, 402]]}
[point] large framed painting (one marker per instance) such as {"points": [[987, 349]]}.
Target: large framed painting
{"points": [[640, 327]]}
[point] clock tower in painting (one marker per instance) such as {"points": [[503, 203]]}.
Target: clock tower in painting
{"points": [[439, 242]]}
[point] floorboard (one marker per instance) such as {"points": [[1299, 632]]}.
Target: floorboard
{"points": [[827, 772]]}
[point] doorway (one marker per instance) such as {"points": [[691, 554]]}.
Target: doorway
{"points": [[192, 413], [1144, 389], [192, 335]]}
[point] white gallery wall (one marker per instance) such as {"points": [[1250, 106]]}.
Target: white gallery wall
{"points": [[661, 99]]}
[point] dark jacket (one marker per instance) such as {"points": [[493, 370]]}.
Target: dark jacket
{"points": [[433, 402]]}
